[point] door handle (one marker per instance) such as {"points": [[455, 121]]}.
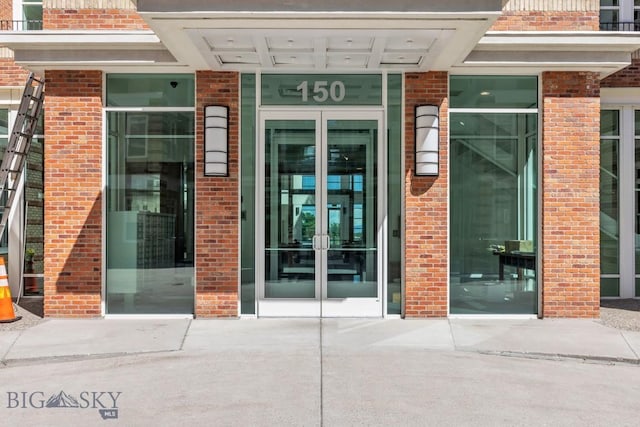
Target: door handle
{"points": [[321, 242]]}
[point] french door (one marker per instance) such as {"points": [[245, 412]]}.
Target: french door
{"points": [[319, 242]]}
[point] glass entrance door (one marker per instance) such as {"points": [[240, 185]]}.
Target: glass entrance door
{"points": [[321, 235]]}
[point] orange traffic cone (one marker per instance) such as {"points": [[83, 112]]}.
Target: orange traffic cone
{"points": [[7, 315]]}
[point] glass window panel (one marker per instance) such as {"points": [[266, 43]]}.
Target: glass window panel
{"points": [[493, 213], [4, 122], [321, 89], [605, 3], [248, 189], [609, 19], [150, 90], [291, 209], [352, 255], [609, 209], [394, 192], [34, 207], [150, 212], [609, 287], [609, 123], [494, 92]]}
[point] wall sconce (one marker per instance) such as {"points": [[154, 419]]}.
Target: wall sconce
{"points": [[216, 140], [427, 140]]}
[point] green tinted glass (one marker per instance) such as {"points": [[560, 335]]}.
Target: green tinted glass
{"points": [[494, 92], [610, 123], [248, 185], [150, 90], [321, 89], [395, 193]]}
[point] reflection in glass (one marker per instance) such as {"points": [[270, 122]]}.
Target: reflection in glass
{"points": [[295, 242], [351, 209], [394, 194], [493, 213], [290, 209], [150, 213], [248, 190], [609, 199]]}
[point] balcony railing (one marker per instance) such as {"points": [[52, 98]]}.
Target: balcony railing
{"points": [[620, 26], [28, 25]]}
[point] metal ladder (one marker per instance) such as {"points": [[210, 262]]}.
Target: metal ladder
{"points": [[15, 155]]}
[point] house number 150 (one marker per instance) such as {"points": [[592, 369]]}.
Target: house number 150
{"points": [[321, 92]]}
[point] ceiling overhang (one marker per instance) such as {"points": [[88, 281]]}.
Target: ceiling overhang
{"points": [[320, 41], [328, 36], [533, 52], [102, 50]]}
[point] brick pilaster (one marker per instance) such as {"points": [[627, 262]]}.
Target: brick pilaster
{"points": [[426, 201], [73, 194], [217, 205], [570, 207]]}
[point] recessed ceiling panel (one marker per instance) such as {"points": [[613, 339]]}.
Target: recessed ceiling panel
{"points": [[238, 59], [409, 43], [401, 59], [230, 42], [283, 43], [349, 43], [293, 60], [347, 60]]}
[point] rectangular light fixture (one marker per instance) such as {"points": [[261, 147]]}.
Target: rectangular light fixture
{"points": [[427, 142], [216, 140]]}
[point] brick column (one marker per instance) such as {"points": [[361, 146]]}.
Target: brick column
{"points": [[426, 201], [217, 205], [73, 194], [570, 206]]}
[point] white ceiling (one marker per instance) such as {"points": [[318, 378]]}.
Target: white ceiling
{"points": [[320, 49], [319, 41]]}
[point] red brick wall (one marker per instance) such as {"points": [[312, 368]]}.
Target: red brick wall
{"points": [[6, 9], [217, 205], [570, 211], [11, 74], [95, 19], [547, 21], [73, 198], [627, 77], [426, 198]]}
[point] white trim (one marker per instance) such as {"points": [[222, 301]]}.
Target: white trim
{"points": [[320, 305], [627, 202], [403, 198], [559, 40], [610, 97], [539, 210], [105, 212], [626, 186]]}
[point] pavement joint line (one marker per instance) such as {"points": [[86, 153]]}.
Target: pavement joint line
{"points": [[186, 332], [26, 361], [4, 356], [452, 335], [624, 337], [560, 357]]}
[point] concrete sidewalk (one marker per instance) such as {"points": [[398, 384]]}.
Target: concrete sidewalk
{"points": [[76, 338]]}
